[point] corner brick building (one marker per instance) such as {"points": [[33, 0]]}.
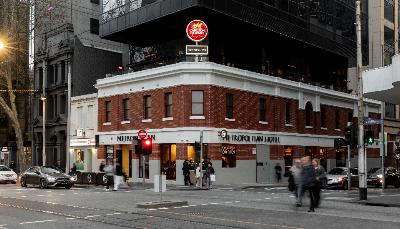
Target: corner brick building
{"points": [[267, 119]]}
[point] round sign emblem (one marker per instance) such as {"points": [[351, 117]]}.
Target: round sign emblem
{"points": [[142, 134], [197, 30]]}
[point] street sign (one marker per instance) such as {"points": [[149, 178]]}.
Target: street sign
{"points": [[142, 134], [197, 50], [196, 30], [372, 121]]}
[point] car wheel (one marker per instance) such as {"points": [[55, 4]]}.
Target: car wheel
{"points": [[68, 186], [43, 184], [397, 185], [345, 185], [23, 183]]}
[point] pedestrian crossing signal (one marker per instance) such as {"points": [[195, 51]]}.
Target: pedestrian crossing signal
{"points": [[369, 137]]}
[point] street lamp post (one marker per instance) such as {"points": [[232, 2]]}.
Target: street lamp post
{"points": [[43, 98], [361, 147]]}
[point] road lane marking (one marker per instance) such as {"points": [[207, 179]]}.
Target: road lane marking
{"points": [[39, 221], [163, 208], [92, 216]]}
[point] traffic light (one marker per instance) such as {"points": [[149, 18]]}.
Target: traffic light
{"points": [[369, 137], [339, 142], [146, 145]]}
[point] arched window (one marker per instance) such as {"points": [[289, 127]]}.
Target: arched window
{"points": [[309, 110]]}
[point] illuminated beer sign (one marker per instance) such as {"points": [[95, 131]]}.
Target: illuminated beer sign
{"points": [[197, 30]]}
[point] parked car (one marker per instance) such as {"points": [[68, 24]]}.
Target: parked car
{"points": [[392, 177], [46, 176], [7, 175], [337, 177]]}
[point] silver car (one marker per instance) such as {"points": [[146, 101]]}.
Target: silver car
{"points": [[337, 178], [7, 175]]}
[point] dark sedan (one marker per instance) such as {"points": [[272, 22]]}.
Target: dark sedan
{"points": [[392, 177], [44, 177]]}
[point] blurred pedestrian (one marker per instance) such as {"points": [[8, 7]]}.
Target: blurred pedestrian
{"points": [[308, 178], [320, 176], [295, 171], [198, 175], [102, 166], [210, 172], [278, 172], [12, 166], [108, 169], [73, 169], [186, 173], [117, 176]]}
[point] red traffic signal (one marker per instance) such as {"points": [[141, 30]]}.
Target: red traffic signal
{"points": [[147, 142]]}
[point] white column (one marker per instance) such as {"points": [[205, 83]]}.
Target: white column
{"points": [[69, 82]]}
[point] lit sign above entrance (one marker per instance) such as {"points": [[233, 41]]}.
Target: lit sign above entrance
{"points": [[250, 138]]}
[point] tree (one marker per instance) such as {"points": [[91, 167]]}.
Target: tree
{"points": [[20, 22]]}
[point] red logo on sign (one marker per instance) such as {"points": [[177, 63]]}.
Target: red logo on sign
{"points": [[197, 30]]}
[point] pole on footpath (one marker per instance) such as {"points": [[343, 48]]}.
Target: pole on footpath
{"points": [[383, 145], [44, 113], [143, 169], [361, 152], [348, 167], [201, 159]]}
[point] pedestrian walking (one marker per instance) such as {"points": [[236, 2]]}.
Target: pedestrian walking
{"points": [[295, 180], [198, 175], [210, 172], [308, 178], [320, 176], [108, 169], [73, 169], [278, 172], [186, 173], [102, 166], [12, 166], [117, 176]]}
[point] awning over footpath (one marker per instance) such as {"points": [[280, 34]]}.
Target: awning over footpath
{"points": [[383, 84]]}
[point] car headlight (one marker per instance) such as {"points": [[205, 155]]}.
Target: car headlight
{"points": [[51, 179], [72, 178], [379, 175], [339, 179]]}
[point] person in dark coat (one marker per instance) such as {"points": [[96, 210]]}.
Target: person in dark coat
{"points": [[73, 169], [320, 175], [278, 172], [186, 173], [102, 166], [12, 166], [209, 171], [309, 178]]}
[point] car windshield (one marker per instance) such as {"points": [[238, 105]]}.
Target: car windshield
{"points": [[374, 170], [4, 168], [337, 171], [48, 170]]}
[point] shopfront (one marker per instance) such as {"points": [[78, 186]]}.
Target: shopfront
{"points": [[84, 154]]}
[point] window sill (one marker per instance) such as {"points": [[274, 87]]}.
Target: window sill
{"points": [[197, 117], [288, 125], [230, 119], [338, 130], [167, 119], [125, 122], [147, 120], [107, 124], [309, 127], [324, 128], [263, 122]]}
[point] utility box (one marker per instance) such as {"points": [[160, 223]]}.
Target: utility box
{"points": [[160, 184]]}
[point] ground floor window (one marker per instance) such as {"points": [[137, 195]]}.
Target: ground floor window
{"points": [[323, 156], [228, 156], [168, 161], [144, 159], [193, 152], [311, 152], [341, 157], [79, 159], [288, 157]]}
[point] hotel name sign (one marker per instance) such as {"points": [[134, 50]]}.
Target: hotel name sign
{"points": [[250, 138]]}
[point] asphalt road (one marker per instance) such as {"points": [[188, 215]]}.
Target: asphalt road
{"points": [[258, 207]]}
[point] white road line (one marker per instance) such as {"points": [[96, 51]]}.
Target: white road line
{"points": [[39, 195], [92, 216], [267, 198], [162, 208], [23, 196], [150, 209], [237, 201], [204, 204], [185, 206], [70, 218], [214, 203], [228, 202], [177, 207], [117, 213], [39, 221]]}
